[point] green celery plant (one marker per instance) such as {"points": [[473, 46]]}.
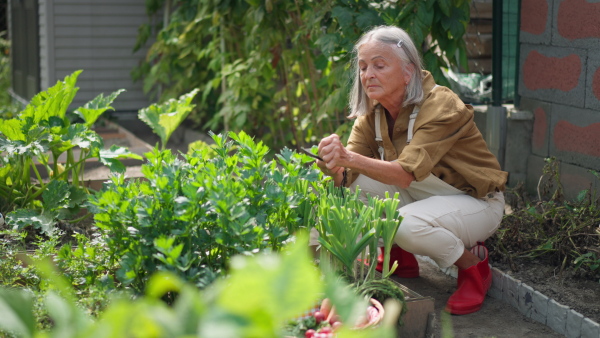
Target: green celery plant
{"points": [[190, 215], [43, 132]]}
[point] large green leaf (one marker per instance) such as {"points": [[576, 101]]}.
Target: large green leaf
{"points": [[110, 157], [21, 218], [456, 23], [56, 195], [93, 109], [278, 287], [164, 118], [327, 43], [69, 320], [78, 135], [53, 102], [445, 6], [17, 315], [13, 129], [343, 14]]}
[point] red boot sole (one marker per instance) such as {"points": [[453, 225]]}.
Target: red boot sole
{"points": [[463, 311]]}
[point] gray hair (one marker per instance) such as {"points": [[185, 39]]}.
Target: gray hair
{"points": [[405, 49]]}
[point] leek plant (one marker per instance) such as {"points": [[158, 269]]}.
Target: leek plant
{"points": [[350, 231]]}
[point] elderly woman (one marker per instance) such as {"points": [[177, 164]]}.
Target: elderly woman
{"points": [[419, 139]]}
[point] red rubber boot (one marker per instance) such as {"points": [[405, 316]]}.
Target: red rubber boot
{"points": [[472, 285], [408, 267]]}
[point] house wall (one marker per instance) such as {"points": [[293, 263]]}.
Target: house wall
{"points": [[96, 36], [559, 84]]}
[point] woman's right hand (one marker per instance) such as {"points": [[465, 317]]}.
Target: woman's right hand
{"points": [[330, 149]]}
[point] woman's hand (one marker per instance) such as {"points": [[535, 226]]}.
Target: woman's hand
{"points": [[329, 150], [336, 158], [333, 153]]}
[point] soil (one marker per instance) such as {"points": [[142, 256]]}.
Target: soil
{"points": [[568, 289]]}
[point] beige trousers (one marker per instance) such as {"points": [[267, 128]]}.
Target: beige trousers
{"points": [[440, 221]]}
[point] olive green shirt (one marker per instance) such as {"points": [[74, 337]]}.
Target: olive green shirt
{"points": [[446, 142]]}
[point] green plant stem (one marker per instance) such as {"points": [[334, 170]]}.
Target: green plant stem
{"points": [[39, 177], [74, 168], [56, 177], [82, 218], [82, 156]]}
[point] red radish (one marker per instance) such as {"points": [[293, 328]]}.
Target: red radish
{"points": [[336, 325], [319, 317], [309, 333], [326, 330]]}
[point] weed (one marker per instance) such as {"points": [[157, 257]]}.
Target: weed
{"points": [[560, 232]]}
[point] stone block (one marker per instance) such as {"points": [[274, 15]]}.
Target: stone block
{"points": [[510, 291], [540, 134], [536, 21], [495, 290], [526, 300], [539, 308], [575, 179], [518, 147], [589, 328], [592, 95], [557, 316], [553, 74], [575, 136], [574, 320], [572, 24]]}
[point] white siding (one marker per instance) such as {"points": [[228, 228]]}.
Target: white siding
{"points": [[46, 34], [96, 36]]}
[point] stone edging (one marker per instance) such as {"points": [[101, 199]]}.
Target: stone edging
{"points": [[533, 304]]}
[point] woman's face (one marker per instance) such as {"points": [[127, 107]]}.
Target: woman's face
{"points": [[382, 73]]}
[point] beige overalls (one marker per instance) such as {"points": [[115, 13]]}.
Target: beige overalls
{"points": [[439, 220]]}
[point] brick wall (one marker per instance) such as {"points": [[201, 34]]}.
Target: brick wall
{"points": [[559, 83]]}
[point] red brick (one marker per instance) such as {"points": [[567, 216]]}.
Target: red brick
{"points": [[542, 72], [534, 14], [578, 19], [582, 140], [540, 124]]}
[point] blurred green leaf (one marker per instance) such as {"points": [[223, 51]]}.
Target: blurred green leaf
{"points": [[278, 288], [16, 307]]}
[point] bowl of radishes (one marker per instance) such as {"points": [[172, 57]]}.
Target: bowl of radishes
{"points": [[323, 322]]}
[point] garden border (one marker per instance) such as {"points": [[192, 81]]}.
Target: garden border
{"points": [[533, 304]]}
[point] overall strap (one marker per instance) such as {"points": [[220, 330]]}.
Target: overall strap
{"points": [[378, 138], [411, 126], [411, 121]]}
